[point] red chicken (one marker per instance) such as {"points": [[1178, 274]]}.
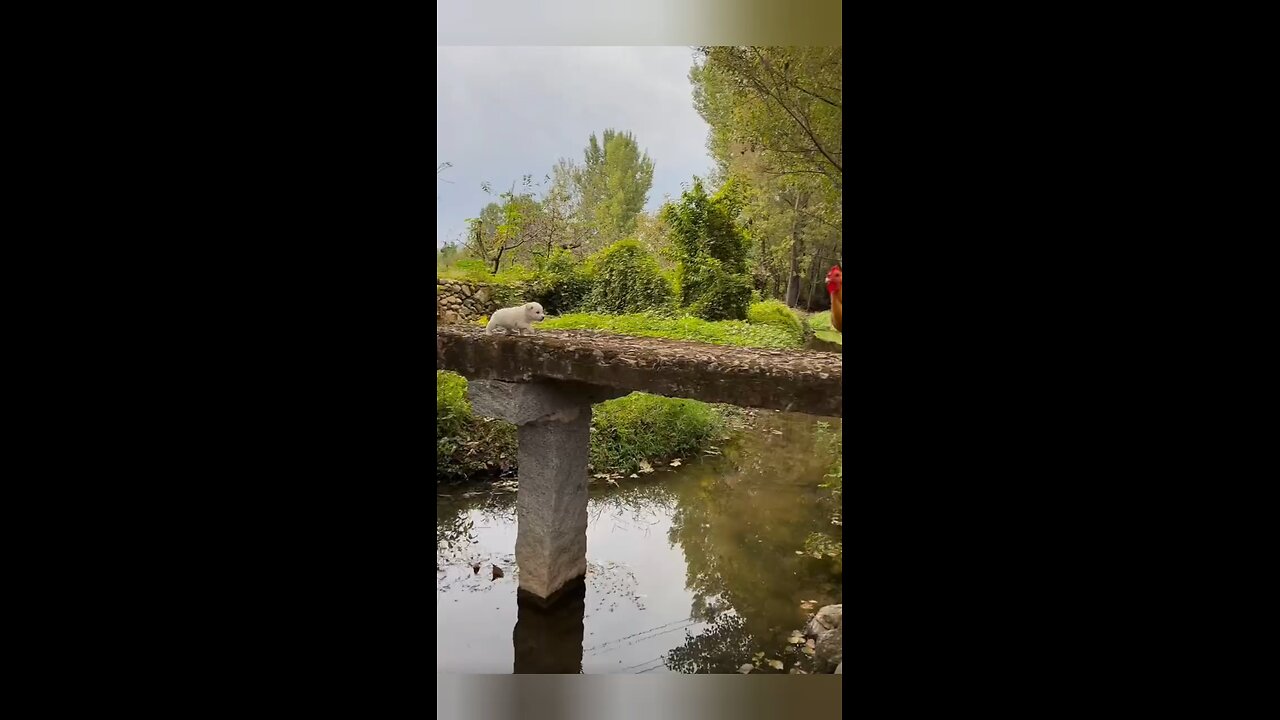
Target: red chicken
{"points": [[835, 286]]}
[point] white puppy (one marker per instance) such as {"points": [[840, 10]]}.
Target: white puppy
{"points": [[515, 320]]}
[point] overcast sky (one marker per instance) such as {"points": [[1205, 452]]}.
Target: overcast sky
{"points": [[504, 112]]}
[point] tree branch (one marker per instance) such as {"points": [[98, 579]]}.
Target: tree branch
{"points": [[762, 87]]}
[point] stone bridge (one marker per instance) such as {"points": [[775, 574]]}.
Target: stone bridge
{"points": [[546, 384]]}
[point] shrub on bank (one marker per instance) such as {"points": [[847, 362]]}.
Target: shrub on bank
{"points": [[624, 432], [649, 427], [468, 446], [627, 279], [776, 312]]}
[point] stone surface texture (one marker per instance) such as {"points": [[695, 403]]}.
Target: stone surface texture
{"points": [[554, 434], [459, 301], [788, 380], [825, 627]]}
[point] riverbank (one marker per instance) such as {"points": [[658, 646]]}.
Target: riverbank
{"points": [[630, 436]]}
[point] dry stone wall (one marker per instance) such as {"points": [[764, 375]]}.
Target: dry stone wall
{"points": [[458, 301]]}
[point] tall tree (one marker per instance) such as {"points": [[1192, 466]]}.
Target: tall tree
{"points": [[613, 183], [784, 102], [711, 252], [503, 226], [776, 124]]}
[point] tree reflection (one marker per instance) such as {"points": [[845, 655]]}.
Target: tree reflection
{"points": [[740, 530]]}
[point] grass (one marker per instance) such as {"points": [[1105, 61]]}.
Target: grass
{"points": [[477, 272], [648, 427], [724, 332], [820, 323]]}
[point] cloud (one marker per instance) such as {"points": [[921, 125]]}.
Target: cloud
{"points": [[504, 112]]}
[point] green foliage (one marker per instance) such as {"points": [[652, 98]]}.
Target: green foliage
{"points": [[468, 446], [648, 427], [614, 183], [822, 328], [821, 321], [452, 409], [466, 269], [627, 280], [726, 332], [786, 103], [625, 431], [774, 312], [776, 128], [820, 545], [824, 544], [477, 272], [712, 292], [562, 284], [711, 255]]}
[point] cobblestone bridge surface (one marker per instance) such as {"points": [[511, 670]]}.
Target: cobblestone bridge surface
{"points": [[789, 380]]}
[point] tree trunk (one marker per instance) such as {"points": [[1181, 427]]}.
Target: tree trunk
{"points": [[793, 283]]}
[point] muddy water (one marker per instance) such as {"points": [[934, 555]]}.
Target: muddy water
{"points": [[694, 569]]}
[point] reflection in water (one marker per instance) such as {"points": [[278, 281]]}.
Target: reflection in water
{"points": [[694, 570], [549, 640]]}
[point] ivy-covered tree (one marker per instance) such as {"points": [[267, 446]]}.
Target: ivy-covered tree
{"points": [[710, 252]]}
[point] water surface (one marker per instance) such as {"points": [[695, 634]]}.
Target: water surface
{"points": [[690, 569]]}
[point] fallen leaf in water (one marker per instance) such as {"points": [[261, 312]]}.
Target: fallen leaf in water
{"points": [[746, 668], [775, 664], [807, 650], [634, 475], [776, 432], [645, 467], [600, 475], [675, 463], [795, 639], [799, 552]]}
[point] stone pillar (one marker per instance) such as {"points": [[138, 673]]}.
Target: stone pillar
{"points": [[554, 421]]}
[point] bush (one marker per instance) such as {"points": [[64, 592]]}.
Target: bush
{"points": [[776, 312], [625, 431], [562, 284], [713, 293], [648, 427], [452, 408], [711, 254], [729, 332], [627, 280], [467, 446]]}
